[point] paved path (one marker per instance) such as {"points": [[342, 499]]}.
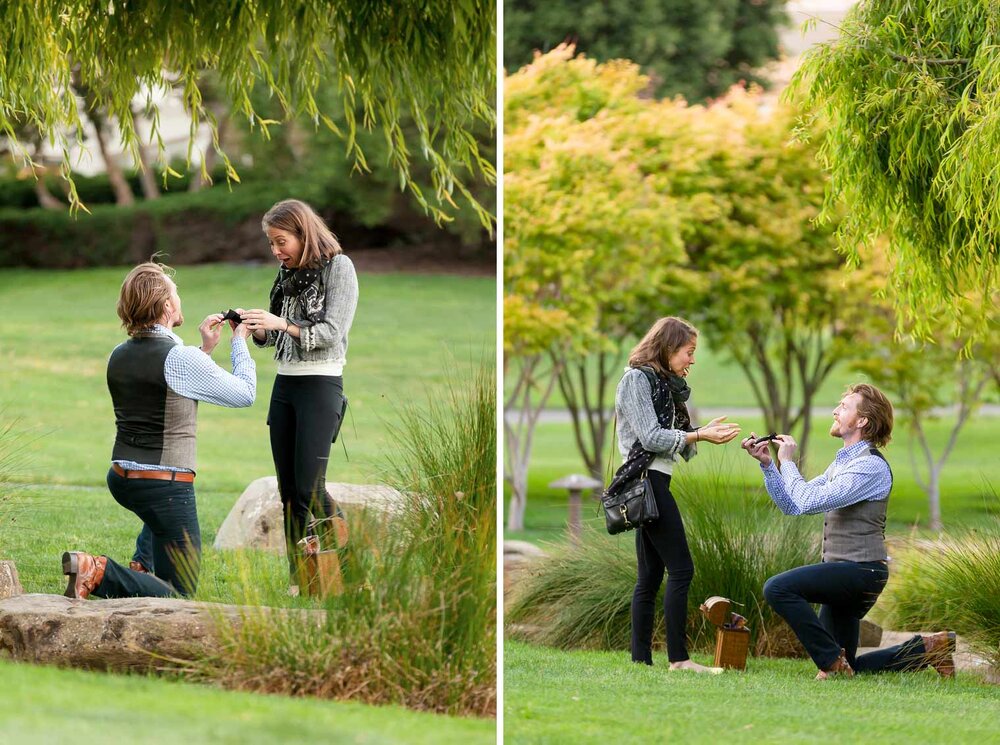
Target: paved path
{"points": [[706, 413]]}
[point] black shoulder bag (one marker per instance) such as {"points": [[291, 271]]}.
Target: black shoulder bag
{"points": [[629, 501]]}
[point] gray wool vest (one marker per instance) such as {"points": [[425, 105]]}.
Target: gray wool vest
{"points": [[155, 426], [857, 532]]}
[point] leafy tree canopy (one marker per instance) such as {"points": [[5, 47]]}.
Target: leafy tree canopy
{"points": [[910, 91], [695, 48], [431, 62]]}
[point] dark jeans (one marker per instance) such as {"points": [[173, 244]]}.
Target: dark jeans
{"points": [[303, 415], [846, 590], [660, 546], [170, 521]]}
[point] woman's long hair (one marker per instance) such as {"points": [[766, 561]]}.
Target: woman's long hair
{"points": [[660, 343], [299, 219]]}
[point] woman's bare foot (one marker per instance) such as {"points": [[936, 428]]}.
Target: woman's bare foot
{"points": [[695, 667]]}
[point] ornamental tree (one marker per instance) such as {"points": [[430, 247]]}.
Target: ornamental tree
{"points": [[585, 238], [775, 296], [923, 378], [910, 92], [432, 63]]}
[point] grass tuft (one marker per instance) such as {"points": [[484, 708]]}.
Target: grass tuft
{"points": [[416, 625], [580, 596]]}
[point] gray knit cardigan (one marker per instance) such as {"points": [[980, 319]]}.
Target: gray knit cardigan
{"points": [[325, 341]]}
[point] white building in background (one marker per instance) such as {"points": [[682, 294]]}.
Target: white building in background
{"points": [[174, 129]]}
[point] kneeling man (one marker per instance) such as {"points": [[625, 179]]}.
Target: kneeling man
{"points": [[156, 383], [853, 493]]}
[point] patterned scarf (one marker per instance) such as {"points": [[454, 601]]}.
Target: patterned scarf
{"points": [[670, 395], [305, 285]]}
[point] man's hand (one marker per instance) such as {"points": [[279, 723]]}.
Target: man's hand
{"points": [[761, 451], [718, 431], [240, 330], [211, 331], [786, 448]]}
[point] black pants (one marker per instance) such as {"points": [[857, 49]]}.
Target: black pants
{"points": [[846, 590], [660, 546], [170, 521], [303, 415]]}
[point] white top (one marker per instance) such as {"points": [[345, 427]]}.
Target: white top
{"points": [[319, 367]]}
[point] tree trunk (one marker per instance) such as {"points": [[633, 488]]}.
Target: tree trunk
{"points": [[934, 496], [150, 189], [524, 408], [45, 198], [203, 177], [585, 403], [518, 500], [123, 192], [147, 178]]}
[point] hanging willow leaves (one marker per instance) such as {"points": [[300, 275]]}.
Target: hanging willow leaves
{"points": [[910, 91], [432, 64]]}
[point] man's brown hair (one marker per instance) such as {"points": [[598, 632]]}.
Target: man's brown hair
{"points": [[661, 342], [876, 408], [299, 219], [143, 297]]}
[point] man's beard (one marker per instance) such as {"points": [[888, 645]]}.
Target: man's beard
{"points": [[179, 321]]}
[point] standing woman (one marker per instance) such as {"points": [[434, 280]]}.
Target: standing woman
{"points": [[313, 300], [652, 415]]}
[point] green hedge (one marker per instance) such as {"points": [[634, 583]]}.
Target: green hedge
{"points": [[19, 193], [215, 224]]}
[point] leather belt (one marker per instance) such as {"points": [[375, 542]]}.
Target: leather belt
{"points": [[158, 475]]}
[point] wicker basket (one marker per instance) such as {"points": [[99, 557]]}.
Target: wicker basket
{"points": [[731, 648]]}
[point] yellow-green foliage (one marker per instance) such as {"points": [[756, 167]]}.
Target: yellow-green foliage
{"points": [[910, 90], [433, 64], [620, 208]]}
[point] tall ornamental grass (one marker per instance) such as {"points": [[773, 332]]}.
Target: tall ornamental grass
{"points": [[580, 595], [417, 623], [951, 584]]}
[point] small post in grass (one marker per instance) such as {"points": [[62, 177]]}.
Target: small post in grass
{"points": [[575, 483]]}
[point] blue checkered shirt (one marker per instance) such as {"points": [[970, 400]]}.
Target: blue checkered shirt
{"points": [[854, 476], [193, 374]]}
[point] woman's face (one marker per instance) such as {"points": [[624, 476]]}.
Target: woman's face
{"points": [[681, 360], [285, 247]]}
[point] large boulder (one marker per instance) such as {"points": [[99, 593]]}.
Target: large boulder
{"points": [[256, 520], [127, 634], [517, 556], [870, 634], [10, 585]]}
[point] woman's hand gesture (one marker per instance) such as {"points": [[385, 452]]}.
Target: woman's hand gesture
{"points": [[258, 319], [718, 431]]}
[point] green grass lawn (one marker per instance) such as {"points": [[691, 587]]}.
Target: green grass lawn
{"points": [[412, 335], [597, 697], [52, 706], [969, 488]]}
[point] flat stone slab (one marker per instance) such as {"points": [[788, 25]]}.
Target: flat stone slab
{"points": [[128, 634]]}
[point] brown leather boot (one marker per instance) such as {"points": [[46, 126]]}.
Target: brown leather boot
{"points": [[136, 566], [939, 651], [85, 573], [840, 667]]}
